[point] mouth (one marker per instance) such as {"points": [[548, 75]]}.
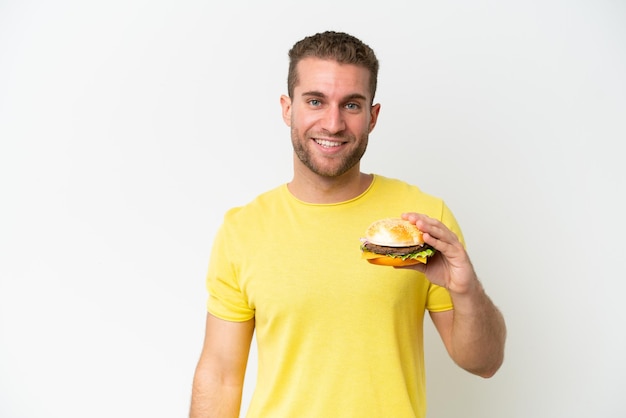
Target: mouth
{"points": [[325, 143]]}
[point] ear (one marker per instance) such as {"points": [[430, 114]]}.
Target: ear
{"points": [[374, 111], [285, 103]]}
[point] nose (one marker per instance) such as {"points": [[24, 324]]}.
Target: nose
{"points": [[333, 120]]}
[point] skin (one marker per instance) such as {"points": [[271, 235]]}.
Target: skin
{"points": [[474, 333], [331, 116], [331, 103], [219, 376]]}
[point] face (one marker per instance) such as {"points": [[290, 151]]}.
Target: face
{"points": [[330, 116]]}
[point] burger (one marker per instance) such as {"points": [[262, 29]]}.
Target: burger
{"points": [[394, 242]]}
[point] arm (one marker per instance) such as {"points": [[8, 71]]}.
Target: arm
{"points": [[474, 332], [219, 375]]}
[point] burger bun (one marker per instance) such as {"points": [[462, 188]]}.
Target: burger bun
{"points": [[394, 261], [394, 232]]}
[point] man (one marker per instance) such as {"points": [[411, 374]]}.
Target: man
{"points": [[337, 336]]}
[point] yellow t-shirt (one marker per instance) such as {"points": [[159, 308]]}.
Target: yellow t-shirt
{"points": [[337, 336]]}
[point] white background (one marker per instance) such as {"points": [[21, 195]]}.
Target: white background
{"points": [[127, 128]]}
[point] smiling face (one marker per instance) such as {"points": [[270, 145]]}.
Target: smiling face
{"points": [[330, 115]]}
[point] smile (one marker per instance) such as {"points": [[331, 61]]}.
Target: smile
{"points": [[328, 144]]}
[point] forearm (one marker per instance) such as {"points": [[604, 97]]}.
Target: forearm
{"points": [[212, 398], [219, 377], [478, 333]]}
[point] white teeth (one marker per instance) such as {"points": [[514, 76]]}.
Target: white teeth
{"points": [[327, 144]]}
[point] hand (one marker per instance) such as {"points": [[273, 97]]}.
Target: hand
{"points": [[450, 267]]}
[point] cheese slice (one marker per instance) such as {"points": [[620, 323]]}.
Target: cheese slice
{"points": [[368, 255]]}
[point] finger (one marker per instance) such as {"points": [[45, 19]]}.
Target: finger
{"points": [[437, 243], [413, 216], [433, 228]]}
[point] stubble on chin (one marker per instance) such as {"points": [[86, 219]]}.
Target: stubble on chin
{"points": [[340, 164]]}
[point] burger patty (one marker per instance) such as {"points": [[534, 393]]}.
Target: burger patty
{"points": [[381, 249]]}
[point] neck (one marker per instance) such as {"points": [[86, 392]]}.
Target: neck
{"points": [[312, 188]]}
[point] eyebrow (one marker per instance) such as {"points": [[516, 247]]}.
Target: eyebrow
{"points": [[353, 96]]}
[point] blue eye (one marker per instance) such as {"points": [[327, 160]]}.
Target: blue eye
{"points": [[314, 102]]}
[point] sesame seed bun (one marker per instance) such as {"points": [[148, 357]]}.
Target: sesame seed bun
{"points": [[394, 232]]}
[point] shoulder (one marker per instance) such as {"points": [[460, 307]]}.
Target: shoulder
{"points": [[264, 203], [411, 198], [395, 187]]}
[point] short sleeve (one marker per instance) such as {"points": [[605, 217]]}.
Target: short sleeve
{"points": [[439, 299], [226, 299]]}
